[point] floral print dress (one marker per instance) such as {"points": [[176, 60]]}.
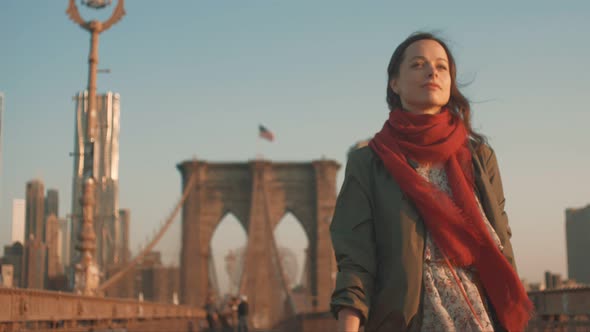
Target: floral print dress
{"points": [[446, 288]]}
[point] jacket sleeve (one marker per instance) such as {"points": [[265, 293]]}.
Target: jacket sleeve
{"points": [[493, 171], [353, 240]]}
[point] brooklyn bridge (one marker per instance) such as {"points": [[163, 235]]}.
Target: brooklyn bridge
{"points": [[259, 193]]}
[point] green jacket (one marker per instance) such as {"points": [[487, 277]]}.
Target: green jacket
{"points": [[378, 239]]}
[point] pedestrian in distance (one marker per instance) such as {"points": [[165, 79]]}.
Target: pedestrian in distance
{"points": [[243, 314], [211, 313]]}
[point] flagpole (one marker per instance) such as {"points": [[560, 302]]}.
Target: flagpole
{"points": [[263, 133], [258, 154]]}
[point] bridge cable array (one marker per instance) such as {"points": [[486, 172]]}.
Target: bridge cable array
{"points": [[125, 270]]}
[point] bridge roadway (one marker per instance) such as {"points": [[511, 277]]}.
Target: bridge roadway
{"points": [[38, 310], [561, 310]]}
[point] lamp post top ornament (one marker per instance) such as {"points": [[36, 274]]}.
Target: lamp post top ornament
{"points": [[96, 4], [95, 25]]}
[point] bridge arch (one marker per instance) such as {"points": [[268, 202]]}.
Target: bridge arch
{"points": [[259, 193], [293, 243], [228, 238]]}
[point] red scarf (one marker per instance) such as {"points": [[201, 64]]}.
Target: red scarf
{"points": [[455, 223]]}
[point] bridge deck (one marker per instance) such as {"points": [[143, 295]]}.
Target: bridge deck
{"points": [[26, 308]]}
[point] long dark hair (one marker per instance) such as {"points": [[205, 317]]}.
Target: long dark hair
{"points": [[458, 103]]}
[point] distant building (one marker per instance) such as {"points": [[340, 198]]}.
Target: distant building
{"points": [[577, 228], [13, 255], [18, 220], [156, 283], [52, 203], [152, 258], [34, 273], [6, 275], [106, 173], [127, 287], [52, 240], [548, 280], [64, 242], [555, 281], [35, 210], [532, 286], [160, 283]]}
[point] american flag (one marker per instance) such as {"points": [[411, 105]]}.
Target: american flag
{"points": [[265, 133]]}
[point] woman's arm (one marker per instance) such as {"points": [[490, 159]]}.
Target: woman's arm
{"points": [[493, 171], [490, 163], [353, 240], [349, 320]]}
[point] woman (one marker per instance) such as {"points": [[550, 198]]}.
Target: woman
{"points": [[419, 231]]}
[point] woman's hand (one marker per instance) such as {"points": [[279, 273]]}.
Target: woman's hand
{"points": [[348, 320]]}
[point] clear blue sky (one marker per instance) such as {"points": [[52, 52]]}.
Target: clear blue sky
{"points": [[198, 77]]}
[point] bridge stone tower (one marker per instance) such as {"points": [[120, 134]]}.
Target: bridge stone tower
{"points": [[259, 193]]}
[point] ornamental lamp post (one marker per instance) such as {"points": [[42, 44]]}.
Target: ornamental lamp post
{"points": [[87, 275]]}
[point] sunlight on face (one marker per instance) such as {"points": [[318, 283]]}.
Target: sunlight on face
{"points": [[424, 80]]}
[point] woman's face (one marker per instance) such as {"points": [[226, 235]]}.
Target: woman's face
{"points": [[424, 79]]}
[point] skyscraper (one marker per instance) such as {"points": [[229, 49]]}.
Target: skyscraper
{"points": [[577, 229], [35, 211], [18, 221], [52, 203], [64, 242], [34, 274], [13, 255], [52, 240], [106, 173]]}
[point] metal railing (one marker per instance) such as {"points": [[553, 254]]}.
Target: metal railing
{"points": [[27, 305], [561, 310]]}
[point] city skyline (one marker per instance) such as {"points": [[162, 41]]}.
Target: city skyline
{"points": [[314, 74]]}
